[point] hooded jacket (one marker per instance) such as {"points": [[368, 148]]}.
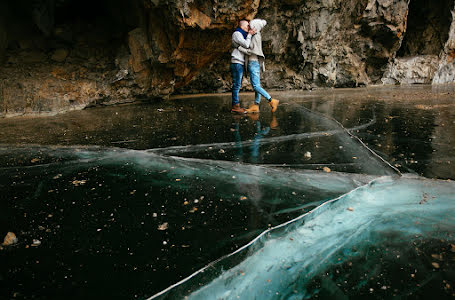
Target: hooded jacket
{"points": [[256, 43]]}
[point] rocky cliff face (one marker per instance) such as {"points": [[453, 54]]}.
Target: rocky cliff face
{"points": [[348, 44], [58, 55], [446, 63], [3, 36]]}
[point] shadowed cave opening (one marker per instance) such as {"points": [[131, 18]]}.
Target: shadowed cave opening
{"points": [[428, 28], [87, 33]]}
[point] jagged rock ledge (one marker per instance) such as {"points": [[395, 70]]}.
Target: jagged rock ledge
{"points": [[62, 55]]}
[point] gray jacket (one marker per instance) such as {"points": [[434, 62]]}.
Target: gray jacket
{"points": [[238, 40], [256, 43]]}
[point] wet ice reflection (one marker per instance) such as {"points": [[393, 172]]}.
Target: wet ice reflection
{"points": [[332, 144]]}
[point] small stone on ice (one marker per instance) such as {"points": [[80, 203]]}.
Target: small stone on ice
{"points": [[350, 209], [437, 256], [326, 169], [10, 239], [163, 226]]}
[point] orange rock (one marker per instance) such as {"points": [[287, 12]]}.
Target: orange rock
{"points": [[10, 239]]}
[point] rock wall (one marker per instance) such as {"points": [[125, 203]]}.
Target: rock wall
{"points": [[424, 56], [446, 67], [329, 43], [3, 34], [184, 37], [68, 54], [60, 55], [411, 70]]}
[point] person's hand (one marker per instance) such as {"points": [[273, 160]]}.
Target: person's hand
{"points": [[252, 31]]}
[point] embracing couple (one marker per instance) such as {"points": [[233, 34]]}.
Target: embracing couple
{"points": [[247, 53]]}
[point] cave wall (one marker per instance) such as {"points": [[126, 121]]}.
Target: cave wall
{"points": [[182, 37], [68, 54], [446, 68], [60, 55], [424, 55], [428, 27], [3, 31], [330, 43]]}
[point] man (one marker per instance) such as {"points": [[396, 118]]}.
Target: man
{"points": [[240, 38], [254, 60]]}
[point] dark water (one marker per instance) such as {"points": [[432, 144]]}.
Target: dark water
{"points": [[128, 200]]}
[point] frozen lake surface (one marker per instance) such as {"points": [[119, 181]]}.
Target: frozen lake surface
{"points": [[340, 194]]}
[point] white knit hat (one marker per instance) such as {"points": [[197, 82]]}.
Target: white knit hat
{"points": [[258, 24]]}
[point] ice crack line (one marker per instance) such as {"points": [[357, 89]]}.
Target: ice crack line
{"points": [[264, 141], [348, 131]]}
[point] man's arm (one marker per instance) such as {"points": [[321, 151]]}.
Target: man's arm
{"points": [[237, 37], [244, 50]]}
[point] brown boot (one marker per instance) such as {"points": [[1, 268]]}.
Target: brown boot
{"points": [[237, 109], [274, 104], [253, 117], [273, 123], [254, 108]]}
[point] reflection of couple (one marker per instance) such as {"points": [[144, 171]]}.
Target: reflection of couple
{"points": [[260, 132], [247, 44]]}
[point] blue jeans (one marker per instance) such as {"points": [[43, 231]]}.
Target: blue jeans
{"points": [[257, 141], [255, 77], [237, 75]]}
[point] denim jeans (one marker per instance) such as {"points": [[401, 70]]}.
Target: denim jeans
{"points": [[255, 77], [237, 75]]}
